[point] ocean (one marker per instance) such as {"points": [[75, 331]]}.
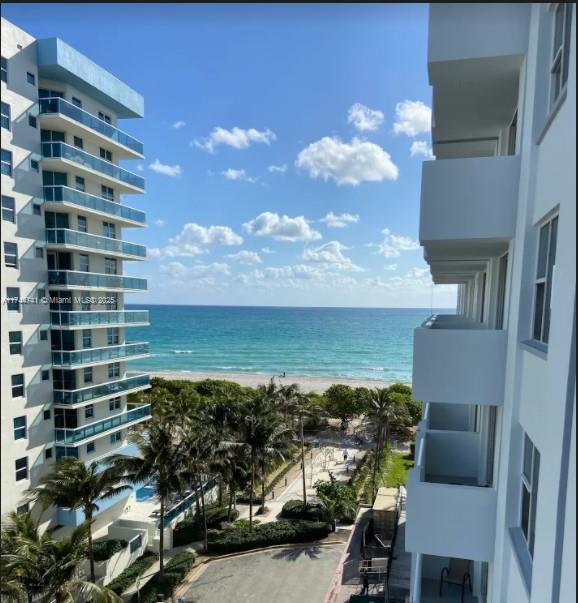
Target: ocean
{"points": [[356, 343]]}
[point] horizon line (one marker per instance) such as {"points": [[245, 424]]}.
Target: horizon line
{"points": [[295, 307]]}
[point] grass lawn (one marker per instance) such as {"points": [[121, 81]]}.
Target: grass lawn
{"points": [[397, 470]]}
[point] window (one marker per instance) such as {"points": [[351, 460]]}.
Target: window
{"points": [[88, 375], [15, 341], [85, 301], [54, 178], [52, 136], [10, 255], [113, 370], [43, 335], [90, 447], [89, 411], [79, 184], [5, 119], [6, 163], [21, 466], [32, 121], [83, 263], [82, 224], [4, 69], [116, 437], [112, 336], [109, 230], [76, 101], [23, 509], [110, 266], [107, 192], [106, 155], [8, 209], [46, 415], [46, 375], [41, 294], [36, 209], [544, 276], [18, 386], [13, 299], [529, 495], [78, 142], [86, 338], [43, 93], [114, 404], [34, 165], [20, 428], [31, 78], [48, 453], [66, 451], [560, 49], [104, 117], [38, 253]]}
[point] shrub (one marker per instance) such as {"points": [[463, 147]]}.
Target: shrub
{"points": [[339, 499], [190, 530], [175, 571], [268, 534], [294, 509], [105, 549], [128, 577]]}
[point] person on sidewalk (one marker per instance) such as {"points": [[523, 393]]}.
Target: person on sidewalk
{"points": [[365, 579]]}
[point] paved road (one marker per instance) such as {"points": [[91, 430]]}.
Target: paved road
{"points": [[292, 575]]}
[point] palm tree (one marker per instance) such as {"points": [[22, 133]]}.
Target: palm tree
{"points": [[159, 462], [74, 485]]}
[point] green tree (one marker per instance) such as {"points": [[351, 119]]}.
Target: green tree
{"points": [[342, 402]]}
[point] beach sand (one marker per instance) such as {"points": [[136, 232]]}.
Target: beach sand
{"points": [[307, 384]]}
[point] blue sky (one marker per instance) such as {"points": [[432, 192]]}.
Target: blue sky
{"points": [[283, 146]]}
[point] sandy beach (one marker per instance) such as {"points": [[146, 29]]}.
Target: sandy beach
{"points": [[307, 384]]}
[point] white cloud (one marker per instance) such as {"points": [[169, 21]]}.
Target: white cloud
{"points": [[393, 245], [267, 250], [245, 257], [421, 147], [194, 239], [347, 163], [159, 222], [140, 167], [339, 221], [197, 275], [232, 174], [280, 169], [177, 125], [331, 253], [281, 228], [412, 118], [166, 170], [236, 138], [390, 267], [364, 118]]}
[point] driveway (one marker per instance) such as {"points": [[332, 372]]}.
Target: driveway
{"points": [[291, 575]]}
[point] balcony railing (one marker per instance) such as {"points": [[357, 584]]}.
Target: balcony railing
{"points": [[61, 150], [65, 194], [62, 106], [95, 280], [74, 436], [103, 390], [76, 358], [81, 318], [65, 236]]}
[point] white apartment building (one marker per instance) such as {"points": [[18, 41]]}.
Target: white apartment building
{"points": [[65, 332], [491, 504]]}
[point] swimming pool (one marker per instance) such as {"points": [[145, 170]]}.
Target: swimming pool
{"points": [[145, 493]]}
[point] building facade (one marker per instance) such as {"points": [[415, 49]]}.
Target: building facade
{"points": [[65, 333], [491, 507]]}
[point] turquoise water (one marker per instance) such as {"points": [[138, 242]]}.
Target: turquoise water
{"points": [[359, 343]]}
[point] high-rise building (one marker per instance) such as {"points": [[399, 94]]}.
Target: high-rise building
{"points": [[491, 507], [65, 332]]}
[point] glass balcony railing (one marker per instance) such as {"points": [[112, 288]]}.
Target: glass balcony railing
{"points": [[87, 318], [75, 358], [113, 388], [62, 106], [61, 150], [73, 436], [94, 280], [65, 236], [65, 194]]}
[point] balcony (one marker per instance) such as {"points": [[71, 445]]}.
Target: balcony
{"points": [[56, 153], [448, 513], [97, 429], [112, 318], [92, 356], [57, 197], [459, 362], [53, 110], [468, 207], [64, 238], [73, 279], [102, 391]]}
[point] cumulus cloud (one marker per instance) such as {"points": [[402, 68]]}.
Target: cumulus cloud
{"points": [[412, 118], [364, 118], [331, 254], [140, 167], [245, 257], [393, 245], [194, 239], [281, 228], [421, 147], [267, 250], [159, 222], [237, 138], [232, 174], [339, 221], [197, 275], [390, 267], [177, 125], [346, 163], [164, 169], [279, 169]]}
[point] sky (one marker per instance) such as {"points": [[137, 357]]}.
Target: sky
{"points": [[283, 147]]}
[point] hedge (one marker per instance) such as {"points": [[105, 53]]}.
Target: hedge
{"points": [[105, 549], [268, 534], [128, 577], [294, 509], [190, 530], [174, 573]]}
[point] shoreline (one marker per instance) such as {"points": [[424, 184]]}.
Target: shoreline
{"points": [[316, 384]]}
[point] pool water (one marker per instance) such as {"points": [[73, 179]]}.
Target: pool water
{"points": [[145, 493]]}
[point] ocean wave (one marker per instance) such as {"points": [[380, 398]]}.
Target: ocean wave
{"points": [[379, 369], [183, 352]]}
